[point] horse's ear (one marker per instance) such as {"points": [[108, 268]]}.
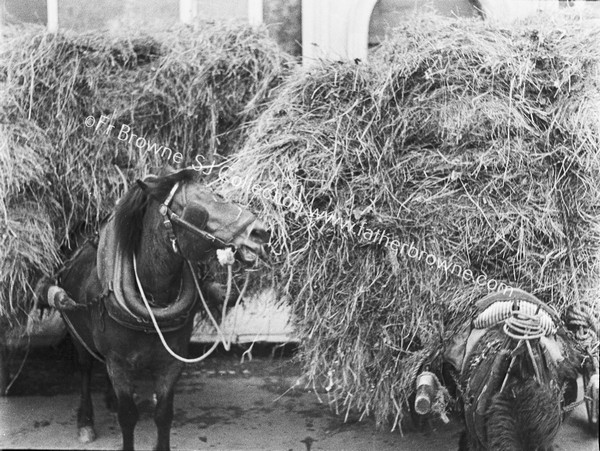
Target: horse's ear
{"points": [[149, 184]]}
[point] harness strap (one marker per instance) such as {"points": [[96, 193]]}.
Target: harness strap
{"points": [[226, 343], [73, 330], [160, 335], [163, 210]]}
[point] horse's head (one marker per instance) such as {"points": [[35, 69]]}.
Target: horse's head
{"points": [[515, 373], [192, 219], [516, 366]]}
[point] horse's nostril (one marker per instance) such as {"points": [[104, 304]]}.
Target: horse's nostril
{"points": [[260, 235]]}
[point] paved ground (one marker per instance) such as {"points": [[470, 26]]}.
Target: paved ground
{"points": [[221, 404]]}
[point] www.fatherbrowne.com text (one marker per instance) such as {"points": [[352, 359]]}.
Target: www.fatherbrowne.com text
{"points": [[375, 236]]}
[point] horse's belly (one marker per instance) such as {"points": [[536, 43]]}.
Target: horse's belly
{"points": [[139, 350]]}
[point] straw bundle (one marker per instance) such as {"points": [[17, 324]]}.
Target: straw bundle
{"points": [[191, 89], [27, 247], [477, 145]]}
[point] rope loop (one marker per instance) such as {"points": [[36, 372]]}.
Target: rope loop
{"points": [[219, 328], [523, 326]]}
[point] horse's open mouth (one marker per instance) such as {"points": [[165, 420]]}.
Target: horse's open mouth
{"points": [[253, 245], [248, 255], [251, 253]]}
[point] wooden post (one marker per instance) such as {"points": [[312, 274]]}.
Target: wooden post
{"points": [[3, 365], [316, 34], [2, 15], [358, 29], [335, 29], [188, 10], [255, 12], [52, 8]]}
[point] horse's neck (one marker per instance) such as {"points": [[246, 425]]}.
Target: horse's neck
{"points": [[159, 267]]}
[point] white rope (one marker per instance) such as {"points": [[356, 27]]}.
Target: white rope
{"points": [[162, 339], [237, 303], [226, 258], [501, 310], [207, 310]]}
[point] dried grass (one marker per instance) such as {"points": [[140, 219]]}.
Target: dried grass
{"points": [[480, 145], [192, 89]]}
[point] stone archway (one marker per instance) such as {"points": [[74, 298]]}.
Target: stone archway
{"points": [[335, 29], [358, 28]]}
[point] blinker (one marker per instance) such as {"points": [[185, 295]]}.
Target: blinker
{"points": [[191, 245], [196, 215], [193, 220]]}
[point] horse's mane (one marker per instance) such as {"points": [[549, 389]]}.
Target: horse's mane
{"points": [[129, 214]]}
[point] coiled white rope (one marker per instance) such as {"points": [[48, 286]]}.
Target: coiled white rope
{"points": [[523, 326], [502, 310]]}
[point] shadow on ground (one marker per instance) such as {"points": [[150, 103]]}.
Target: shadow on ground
{"points": [[220, 403]]}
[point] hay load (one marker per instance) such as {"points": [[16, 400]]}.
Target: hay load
{"points": [[190, 90], [462, 157]]}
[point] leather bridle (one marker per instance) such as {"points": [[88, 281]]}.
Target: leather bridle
{"points": [[169, 217]]}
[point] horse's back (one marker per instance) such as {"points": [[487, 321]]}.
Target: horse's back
{"points": [[79, 278]]}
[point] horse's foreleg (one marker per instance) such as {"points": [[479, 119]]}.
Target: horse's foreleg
{"points": [[163, 413], [463, 444], [3, 368], [85, 413], [127, 410], [110, 398]]}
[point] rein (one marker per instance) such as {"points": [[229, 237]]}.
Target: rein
{"points": [[226, 342]]}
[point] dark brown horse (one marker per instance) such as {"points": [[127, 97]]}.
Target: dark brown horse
{"points": [[516, 370], [161, 228]]}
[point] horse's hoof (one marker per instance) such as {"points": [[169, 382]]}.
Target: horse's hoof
{"points": [[87, 434]]}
